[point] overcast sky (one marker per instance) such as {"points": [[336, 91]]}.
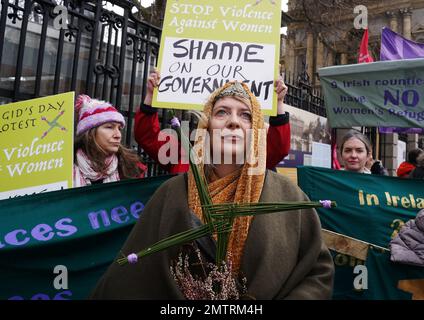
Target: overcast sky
{"points": [[284, 8]]}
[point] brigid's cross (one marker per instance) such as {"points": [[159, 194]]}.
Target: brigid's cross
{"points": [[218, 218], [53, 124]]}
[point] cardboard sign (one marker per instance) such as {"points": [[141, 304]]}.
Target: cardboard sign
{"points": [[36, 145], [208, 43], [378, 94]]}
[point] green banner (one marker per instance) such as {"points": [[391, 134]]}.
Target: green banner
{"points": [[372, 209], [384, 93], [81, 229]]}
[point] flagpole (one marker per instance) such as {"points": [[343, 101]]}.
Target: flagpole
{"points": [[377, 144]]}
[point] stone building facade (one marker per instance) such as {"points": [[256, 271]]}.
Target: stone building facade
{"points": [[311, 44], [333, 40]]}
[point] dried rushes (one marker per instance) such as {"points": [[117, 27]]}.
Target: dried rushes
{"points": [[217, 283]]}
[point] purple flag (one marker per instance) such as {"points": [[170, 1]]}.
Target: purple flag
{"points": [[396, 47], [400, 130]]}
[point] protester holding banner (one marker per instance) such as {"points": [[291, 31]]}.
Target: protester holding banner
{"points": [[99, 155], [356, 153], [406, 167], [370, 212], [147, 129], [281, 256]]}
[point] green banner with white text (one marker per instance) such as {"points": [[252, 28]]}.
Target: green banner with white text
{"points": [[80, 229], [371, 209], [378, 94]]}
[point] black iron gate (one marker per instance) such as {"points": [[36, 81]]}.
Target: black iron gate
{"points": [[103, 51]]}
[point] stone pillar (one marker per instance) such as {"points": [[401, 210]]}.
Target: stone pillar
{"points": [[343, 58], [412, 139], [290, 61], [320, 54], [330, 58], [406, 15], [393, 22], [390, 160], [411, 142], [310, 54]]}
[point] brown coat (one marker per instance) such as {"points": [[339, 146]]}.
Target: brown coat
{"points": [[284, 256]]}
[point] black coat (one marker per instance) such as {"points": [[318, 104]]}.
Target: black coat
{"points": [[417, 173], [377, 168]]}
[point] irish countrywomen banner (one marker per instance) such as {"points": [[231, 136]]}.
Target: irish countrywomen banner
{"points": [[207, 43], [36, 145], [384, 93], [80, 229], [370, 209]]}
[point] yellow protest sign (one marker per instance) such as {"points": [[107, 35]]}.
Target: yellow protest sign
{"points": [[36, 145], [207, 43]]}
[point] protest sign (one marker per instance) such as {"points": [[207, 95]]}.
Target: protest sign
{"points": [[36, 145], [207, 43], [384, 93], [308, 133]]}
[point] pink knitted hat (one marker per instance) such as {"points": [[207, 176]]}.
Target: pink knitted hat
{"points": [[93, 113]]}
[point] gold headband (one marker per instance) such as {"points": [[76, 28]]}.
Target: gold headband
{"points": [[236, 89]]}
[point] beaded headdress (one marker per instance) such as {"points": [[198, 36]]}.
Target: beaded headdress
{"points": [[235, 89]]}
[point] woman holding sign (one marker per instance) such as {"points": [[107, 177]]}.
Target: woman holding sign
{"points": [[280, 255], [99, 155], [147, 129]]}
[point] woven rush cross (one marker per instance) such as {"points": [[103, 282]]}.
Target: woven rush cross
{"points": [[218, 218], [53, 124]]}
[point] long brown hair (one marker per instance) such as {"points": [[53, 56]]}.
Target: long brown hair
{"points": [[357, 135], [127, 159]]}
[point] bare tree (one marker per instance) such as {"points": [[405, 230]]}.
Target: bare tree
{"points": [[153, 14], [332, 20]]}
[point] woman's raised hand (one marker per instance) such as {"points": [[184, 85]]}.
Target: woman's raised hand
{"points": [[281, 90], [152, 82]]}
